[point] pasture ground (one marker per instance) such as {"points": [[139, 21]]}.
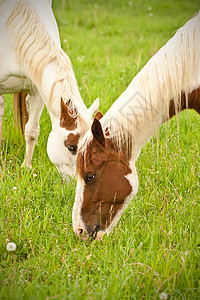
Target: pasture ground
{"points": [[155, 247]]}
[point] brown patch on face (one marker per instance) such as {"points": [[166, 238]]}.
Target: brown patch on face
{"points": [[73, 139], [193, 102], [104, 196], [72, 142], [66, 119]]}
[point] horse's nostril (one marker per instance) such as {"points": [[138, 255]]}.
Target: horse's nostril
{"points": [[81, 231]]}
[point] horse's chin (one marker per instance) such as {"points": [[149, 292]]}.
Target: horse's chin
{"points": [[68, 179], [67, 174], [85, 237]]}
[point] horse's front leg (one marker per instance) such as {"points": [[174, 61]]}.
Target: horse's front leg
{"points": [[1, 115], [34, 107]]}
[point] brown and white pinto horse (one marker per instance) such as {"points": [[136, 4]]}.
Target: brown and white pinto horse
{"points": [[31, 60], [107, 178]]}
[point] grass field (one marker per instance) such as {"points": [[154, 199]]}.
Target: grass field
{"points": [[155, 248]]}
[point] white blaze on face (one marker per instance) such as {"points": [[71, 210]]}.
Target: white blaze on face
{"points": [[133, 180], [58, 152], [76, 214]]}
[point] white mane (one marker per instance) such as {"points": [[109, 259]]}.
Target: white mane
{"points": [[145, 103], [35, 49]]}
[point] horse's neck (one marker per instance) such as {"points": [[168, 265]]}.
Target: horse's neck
{"points": [[46, 90], [44, 11], [56, 83], [36, 49], [166, 80]]}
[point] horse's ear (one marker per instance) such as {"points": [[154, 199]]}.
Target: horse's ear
{"points": [[94, 107], [98, 115], [66, 119], [98, 132]]}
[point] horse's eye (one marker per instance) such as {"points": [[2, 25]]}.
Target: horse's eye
{"points": [[90, 177], [72, 148]]}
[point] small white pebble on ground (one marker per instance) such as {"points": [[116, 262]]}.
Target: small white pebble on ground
{"points": [[163, 296], [11, 246]]}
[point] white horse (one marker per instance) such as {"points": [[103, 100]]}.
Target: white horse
{"points": [[31, 60], [107, 178]]}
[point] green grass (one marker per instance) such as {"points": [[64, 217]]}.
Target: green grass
{"points": [[156, 245]]}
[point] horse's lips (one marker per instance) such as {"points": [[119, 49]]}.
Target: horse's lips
{"points": [[99, 235]]}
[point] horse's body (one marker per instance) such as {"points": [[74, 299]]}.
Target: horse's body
{"points": [[107, 178], [31, 60], [1, 115]]}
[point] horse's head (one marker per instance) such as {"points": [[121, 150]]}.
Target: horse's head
{"points": [[63, 140], [106, 184]]}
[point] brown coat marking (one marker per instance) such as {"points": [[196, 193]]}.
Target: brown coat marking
{"points": [[193, 103], [72, 139], [98, 115], [72, 142], [66, 119]]}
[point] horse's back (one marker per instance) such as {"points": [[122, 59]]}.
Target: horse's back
{"points": [[8, 61], [44, 11]]}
